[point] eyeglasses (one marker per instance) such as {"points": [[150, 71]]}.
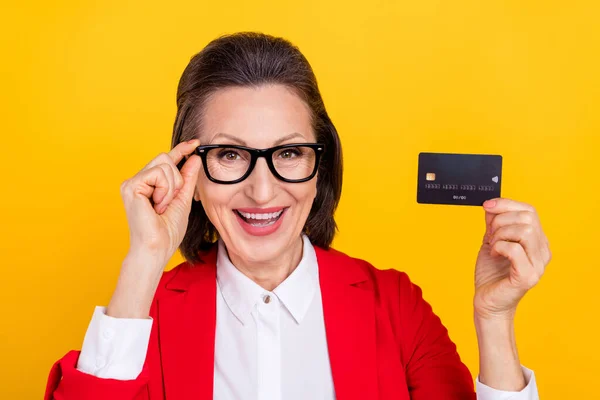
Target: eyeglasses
{"points": [[228, 164]]}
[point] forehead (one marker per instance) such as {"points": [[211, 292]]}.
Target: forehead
{"points": [[257, 115]]}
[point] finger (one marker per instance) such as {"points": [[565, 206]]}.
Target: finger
{"points": [[183, 149], [189, 173], [489, 217], [524, 235], [524, 218], [513, 218], [161, 205], [177, 176], [161, 191], [524, 275], [497, 206], [152, 184], [175, 155], [165, 159], [500, 205]]}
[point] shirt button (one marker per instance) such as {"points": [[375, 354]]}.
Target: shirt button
{"points": [[100, 362], [267, 299]]}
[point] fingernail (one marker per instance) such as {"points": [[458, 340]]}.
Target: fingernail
{"points": [[489, 203], [192, 141]]}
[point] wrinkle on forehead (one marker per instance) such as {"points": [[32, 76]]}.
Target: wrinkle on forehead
{"points": [[258, 116]]}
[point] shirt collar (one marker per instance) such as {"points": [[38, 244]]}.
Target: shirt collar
{"points": [[296, 292]]}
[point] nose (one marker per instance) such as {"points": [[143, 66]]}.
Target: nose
{"points": [[261, 183]]}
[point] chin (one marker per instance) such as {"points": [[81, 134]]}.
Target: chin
{"points": [[257, 249], [260, 248]]}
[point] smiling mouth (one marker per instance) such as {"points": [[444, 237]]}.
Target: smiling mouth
{"points": [[260, 219]]}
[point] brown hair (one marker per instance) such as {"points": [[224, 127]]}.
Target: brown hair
{"points": [[254, 59]]}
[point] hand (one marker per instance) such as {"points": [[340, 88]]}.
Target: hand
{"points": [[158, 200], [512, 258]]}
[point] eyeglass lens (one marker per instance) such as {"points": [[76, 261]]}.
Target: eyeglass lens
{"points": [[230, 164]]}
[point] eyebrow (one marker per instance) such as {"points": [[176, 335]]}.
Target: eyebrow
{"points": [[243, 143]]}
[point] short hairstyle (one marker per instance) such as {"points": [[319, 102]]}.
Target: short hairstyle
{"points": [[251, 59]]}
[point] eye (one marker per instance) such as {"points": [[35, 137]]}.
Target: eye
{"points": [[229, 155], [289, 153]]}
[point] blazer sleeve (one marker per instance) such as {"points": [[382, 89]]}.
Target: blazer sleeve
{"points": [[433, 367], [66, 382]]}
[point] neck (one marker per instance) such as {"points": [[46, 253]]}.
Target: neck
{"points": [[271, 273]]}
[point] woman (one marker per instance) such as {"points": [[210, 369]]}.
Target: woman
{"points": [[263, 308]]}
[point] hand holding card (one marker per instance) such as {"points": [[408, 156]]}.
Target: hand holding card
{"points": [[512, 257], [515, 250]]}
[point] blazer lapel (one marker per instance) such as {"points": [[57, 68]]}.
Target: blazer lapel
{"points": [[349, 313], [187, 321]]}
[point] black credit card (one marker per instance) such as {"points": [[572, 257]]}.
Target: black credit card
{"points": [[458, 179]]}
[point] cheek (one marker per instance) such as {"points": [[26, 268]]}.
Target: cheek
{"points": [[304, 194], [215, 198]]}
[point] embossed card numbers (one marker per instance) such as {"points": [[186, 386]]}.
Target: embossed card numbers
{"points": [[458, 179]]}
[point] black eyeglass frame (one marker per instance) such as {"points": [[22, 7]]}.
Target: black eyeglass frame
{"points": [[255, 154]]}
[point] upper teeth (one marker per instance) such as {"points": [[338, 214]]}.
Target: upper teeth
{"points": [[261, 216]]}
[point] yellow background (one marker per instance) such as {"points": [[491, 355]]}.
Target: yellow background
{"points": [[88, 97]]}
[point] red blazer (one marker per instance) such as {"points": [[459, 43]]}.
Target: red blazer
{"points": [[384, 340]]}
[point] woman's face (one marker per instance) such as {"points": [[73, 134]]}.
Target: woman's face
{"points": [[257, 117]]}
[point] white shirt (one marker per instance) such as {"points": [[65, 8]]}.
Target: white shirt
{"points": [[268, 345]]}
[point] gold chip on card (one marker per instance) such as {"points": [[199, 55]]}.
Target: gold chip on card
{"points": [[430, 176]]}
